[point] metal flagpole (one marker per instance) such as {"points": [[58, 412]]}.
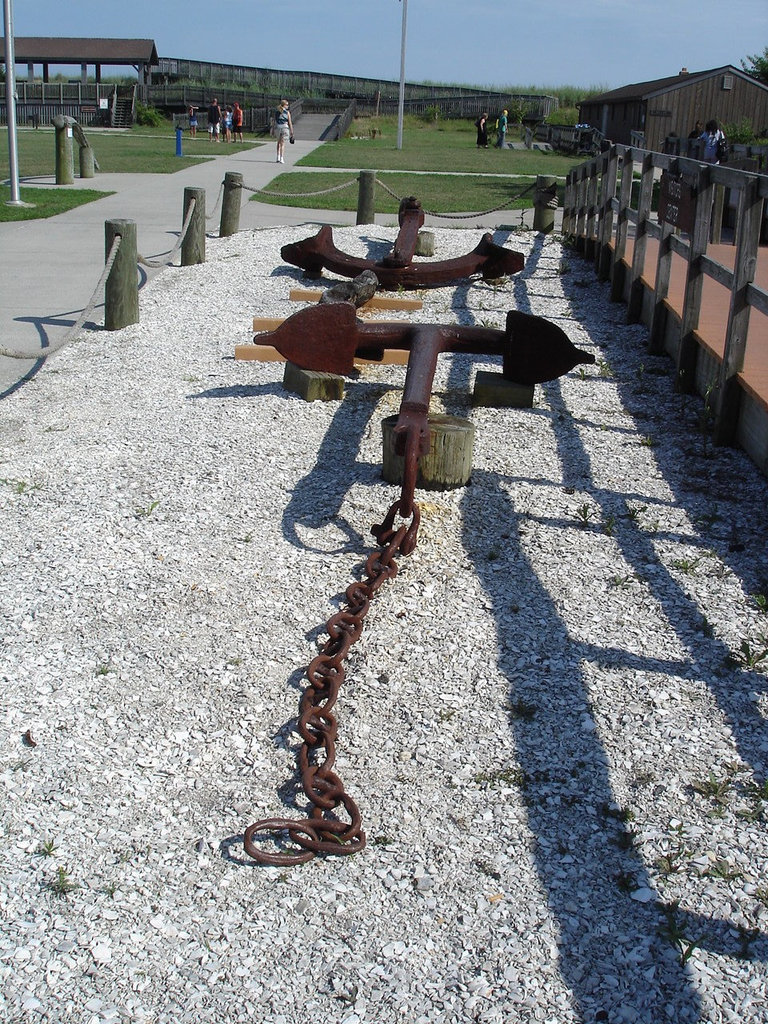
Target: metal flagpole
{"points": [[10, 104], [401, 101]]}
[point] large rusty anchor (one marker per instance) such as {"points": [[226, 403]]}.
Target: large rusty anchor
{"points": [[327, 338], [397, 269]]}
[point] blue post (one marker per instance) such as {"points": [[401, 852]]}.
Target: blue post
{"points": [[178, 142]]}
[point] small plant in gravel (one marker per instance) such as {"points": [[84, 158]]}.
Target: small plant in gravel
{"points": [[686, 565], [760, 602], [621, 582], [750, 657], [648, 442], [47, 848], [61, 884], [584, 513], [757, 797], [722, 869], [604, 368], [717, 790], [147, 510], [487, 869], [20, 486], [674, 934], [608, 525], [746, 937], [501, 777]]}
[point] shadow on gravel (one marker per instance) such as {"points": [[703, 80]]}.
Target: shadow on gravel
{"points": [[615, 953]]}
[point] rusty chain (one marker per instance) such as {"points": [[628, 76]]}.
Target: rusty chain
{"points": [[323, 832], [462, 216]]}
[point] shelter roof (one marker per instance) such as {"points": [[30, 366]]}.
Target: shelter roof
{"points": [[644, 90], [65, 50]]}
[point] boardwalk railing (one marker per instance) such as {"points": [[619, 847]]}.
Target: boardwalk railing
{"points": [[628, 209]]}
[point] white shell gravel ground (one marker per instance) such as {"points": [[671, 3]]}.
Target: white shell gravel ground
{"points": [[554, 721]]}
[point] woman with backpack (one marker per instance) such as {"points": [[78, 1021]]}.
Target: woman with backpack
{"points": [[715, 145]]}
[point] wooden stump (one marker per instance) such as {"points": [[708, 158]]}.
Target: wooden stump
{"points": [[312, 385], [425, 243], [449, 462], [493, 391]]}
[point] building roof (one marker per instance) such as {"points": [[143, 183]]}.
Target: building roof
{"points": [[645, 90], [56, 50]]}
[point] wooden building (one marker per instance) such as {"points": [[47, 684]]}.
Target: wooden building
{"points": [[48, 51], [646, 113]]}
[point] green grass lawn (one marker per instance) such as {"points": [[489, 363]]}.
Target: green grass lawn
{"points": [[443, 193], [438, 146], [47, 202], [138, 150]]}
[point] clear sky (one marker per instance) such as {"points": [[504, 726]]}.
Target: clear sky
{"points": [[498, 43]]}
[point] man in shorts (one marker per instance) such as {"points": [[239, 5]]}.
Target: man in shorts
{"points": [[214, 120]]}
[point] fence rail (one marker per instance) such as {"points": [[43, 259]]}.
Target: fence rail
{"points": [[619, 213]]}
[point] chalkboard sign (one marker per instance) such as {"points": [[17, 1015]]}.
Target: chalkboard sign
{"points": [[677, 201]]}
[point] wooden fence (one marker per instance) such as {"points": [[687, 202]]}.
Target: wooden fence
{"points": [[655, 224]]}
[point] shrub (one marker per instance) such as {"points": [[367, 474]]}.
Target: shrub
{"points": [[741, 132], [150, 117]]}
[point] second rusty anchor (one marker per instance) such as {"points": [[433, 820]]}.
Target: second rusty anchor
{"points": [[397, 268]]}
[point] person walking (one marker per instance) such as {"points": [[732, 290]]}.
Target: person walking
{"points": [[192, 121], [284, 127], [482, 130], [501, 137]]}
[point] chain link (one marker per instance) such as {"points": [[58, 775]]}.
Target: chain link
{"points": [[299, 195], [461, 216], [317, 725]]}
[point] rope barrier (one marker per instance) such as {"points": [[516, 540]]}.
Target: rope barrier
{"points": [[168, 261], [77, 326], [212, 214]]}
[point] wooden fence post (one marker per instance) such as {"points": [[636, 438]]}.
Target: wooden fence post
{"points": [[366, 203], [688, 351], [87, 162], [622, 226], [635, 303], [603, 255], [193, 245], [544, 203], [591, 210], [65, 167], [121, 290], [728, 396], [230, 204]]}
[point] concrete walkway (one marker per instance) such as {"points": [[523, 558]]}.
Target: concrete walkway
{"points": [[50, 268]]}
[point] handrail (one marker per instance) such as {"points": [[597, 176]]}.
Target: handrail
{"points": [[604, 199]]}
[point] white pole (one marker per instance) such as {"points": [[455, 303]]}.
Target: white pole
{"points": [[401, 101], [10, 104]]}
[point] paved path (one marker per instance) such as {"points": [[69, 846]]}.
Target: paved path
{"points": [[49, 268]]}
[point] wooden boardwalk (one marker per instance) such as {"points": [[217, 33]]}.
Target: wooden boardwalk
{"points": [[715, 304]]}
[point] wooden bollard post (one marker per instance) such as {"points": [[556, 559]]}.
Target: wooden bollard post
{"points": [[121, 291], [86, 162], [65, 168], [230, 204], [544, 203], [449, 462], [193, 244], [366, 204]]}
